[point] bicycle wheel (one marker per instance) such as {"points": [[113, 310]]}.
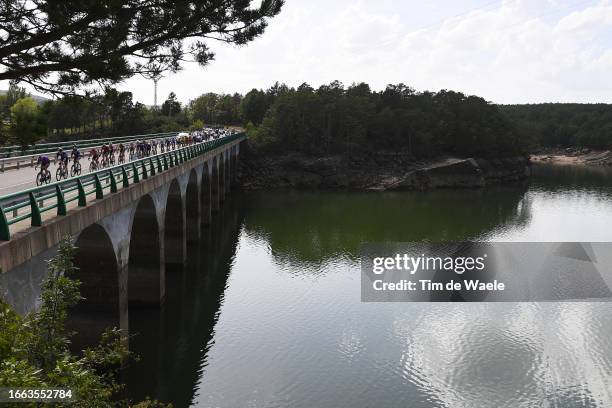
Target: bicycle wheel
{"points": [[78, 169], [48, 177], [58, 174], [40, 179]]}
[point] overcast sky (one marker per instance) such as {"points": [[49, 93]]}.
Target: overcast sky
{"points": [[508, 51]]}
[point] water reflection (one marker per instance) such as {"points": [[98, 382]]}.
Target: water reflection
{"points": [[270, 315], [172, 342], [310, 228]]}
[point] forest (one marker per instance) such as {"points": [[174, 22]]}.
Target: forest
{"points": [[563, 124], [335, 119], [332, 119]]}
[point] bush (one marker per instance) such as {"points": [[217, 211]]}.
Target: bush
{"points": [[34, 349]]}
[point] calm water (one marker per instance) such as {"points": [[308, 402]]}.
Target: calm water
{"points": [[268, 312]]}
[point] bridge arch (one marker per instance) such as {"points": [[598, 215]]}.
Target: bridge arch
{"points": [[174, 226], [192, 204], [98, 270], [103, 288], [205, 195], [214, 185], [146, 269]]}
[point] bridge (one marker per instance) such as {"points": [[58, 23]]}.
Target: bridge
{"points": [[128, 222]]}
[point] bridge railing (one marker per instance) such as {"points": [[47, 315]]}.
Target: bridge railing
{"points": [[17, 151], [33, 203]]}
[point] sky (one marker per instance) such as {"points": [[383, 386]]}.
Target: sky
{"points": [[507, 51]]}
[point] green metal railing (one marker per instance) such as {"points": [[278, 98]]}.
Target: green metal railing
{"points": [[16, 151], [61, 193]]}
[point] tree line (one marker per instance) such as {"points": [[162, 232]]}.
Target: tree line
{"points": [[563, 124], [332, 119], [25, 121], [335, 119]]}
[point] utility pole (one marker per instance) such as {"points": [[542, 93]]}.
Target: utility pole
{"points": [[154, 74], [155, 92]]}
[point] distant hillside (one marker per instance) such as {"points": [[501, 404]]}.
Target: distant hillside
{"points": [[563, 124], [39, 99]]}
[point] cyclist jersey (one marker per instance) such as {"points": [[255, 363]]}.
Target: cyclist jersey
{"points": [[94, 153], [62, 156], [43, 160], [75, 153]]}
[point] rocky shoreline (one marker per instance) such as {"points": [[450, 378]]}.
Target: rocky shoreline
{"points": [[573, 155], [378, 171]]}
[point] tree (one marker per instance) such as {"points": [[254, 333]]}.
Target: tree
{"points": [[58, 46], [253, 107], [171, 106], [204, 107], [27, 122], [34, 350]]}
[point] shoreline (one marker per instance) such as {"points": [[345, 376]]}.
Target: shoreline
{"points": [[573, 156], [379, 171]]}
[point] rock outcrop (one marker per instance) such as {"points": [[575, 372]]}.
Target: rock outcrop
{"points": [[379, 171]]}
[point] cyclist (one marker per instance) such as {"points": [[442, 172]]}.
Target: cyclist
{"points": [[121, 153], [111, 153], [43, 161], [94, 156], [75, 154], [62, 156], [105, 151]]}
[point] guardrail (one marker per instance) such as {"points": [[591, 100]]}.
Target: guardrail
{"points": [[17, 151], [30, 160], [61, 193]]}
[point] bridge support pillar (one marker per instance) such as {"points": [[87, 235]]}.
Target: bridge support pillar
{"points": [[205, 197], [228, 174], [214, 188], [234, 167], [193, 207]]}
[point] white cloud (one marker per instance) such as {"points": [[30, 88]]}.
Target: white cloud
{"points": [[510, 51]]}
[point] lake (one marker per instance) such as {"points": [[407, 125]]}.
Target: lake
{"points": [[267, 313]]}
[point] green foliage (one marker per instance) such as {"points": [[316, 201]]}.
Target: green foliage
{"points": [[171, 106], [34, 349], [59, 46], [196, 125], [253, 106], [563, 124], [338, 120], [216, 108], [27, 122]]}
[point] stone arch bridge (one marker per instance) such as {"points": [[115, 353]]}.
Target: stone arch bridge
{"points": [[127, 238]]}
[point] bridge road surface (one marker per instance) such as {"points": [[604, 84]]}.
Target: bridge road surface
{"points": [[23, 178], [14, 180]]}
